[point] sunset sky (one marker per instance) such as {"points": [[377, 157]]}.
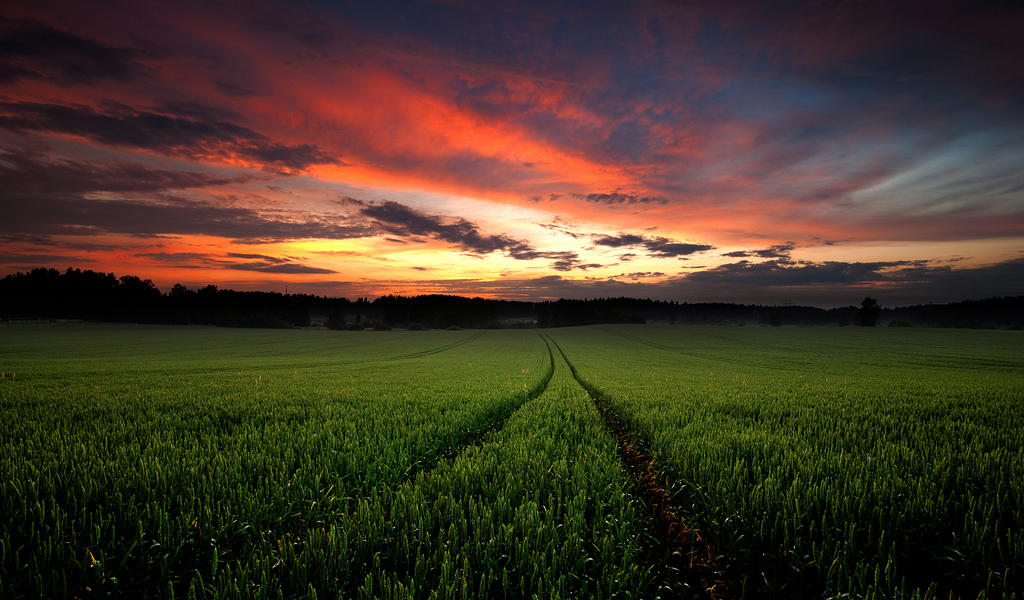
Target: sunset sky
{"points": [[811, 153]]}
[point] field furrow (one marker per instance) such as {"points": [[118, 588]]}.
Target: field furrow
{"points": [[439, 349], [683, 563]]}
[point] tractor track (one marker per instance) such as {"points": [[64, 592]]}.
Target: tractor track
{"points": [[439, 349], [496, 422], [684, 563]]}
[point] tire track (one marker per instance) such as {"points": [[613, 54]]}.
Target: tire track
{"points": [[476, 438], [438, 349], [491, 422], [684, 564], [296, 533], [495, 422]]}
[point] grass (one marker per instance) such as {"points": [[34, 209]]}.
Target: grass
{"points": [[154, 461], [830, 462]]}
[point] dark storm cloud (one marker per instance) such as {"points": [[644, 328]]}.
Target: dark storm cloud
{"points": [[400, 220], [780, 251], [194, 135], [656, 246], [33, 50]]}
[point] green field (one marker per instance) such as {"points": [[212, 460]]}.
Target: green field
{"points": [[153, 461]]}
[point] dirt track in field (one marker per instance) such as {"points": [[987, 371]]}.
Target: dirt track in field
{"points": [[685, 565]]}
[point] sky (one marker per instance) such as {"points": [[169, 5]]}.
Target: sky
{"points": [[772, 153]]}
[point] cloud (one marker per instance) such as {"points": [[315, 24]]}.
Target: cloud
{"points": [[400, 220], [287, 268], [35, 239], [570, 261], [46, 197], [782, 272], [663, 247], [263, 264], [617, 197], [780, 251], [175, 256], [721, 123], [560, 226], [18, 258], [834, 283], [44, 215], [618, 241], [235, 91], [26, 171], [895, 283], [263, 257], [656, 246], [34, 50], [195, 136]]}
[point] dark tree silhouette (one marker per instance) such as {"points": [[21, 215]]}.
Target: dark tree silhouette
{"points": [[867, 315], [76, 294]]}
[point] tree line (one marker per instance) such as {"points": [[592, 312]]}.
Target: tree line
{"points": [[89, 295]]}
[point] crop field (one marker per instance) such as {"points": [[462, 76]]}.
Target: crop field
{"points": [[626, 461]]}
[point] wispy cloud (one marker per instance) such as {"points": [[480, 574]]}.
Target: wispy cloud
{"points": [[396, 219], [262, 263], [31, 172], [190, 135], [34, 50], [613, 198], [171, 215], [656, 246], [780, 251]]}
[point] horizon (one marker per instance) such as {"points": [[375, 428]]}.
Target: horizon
{"points": [[166, 290], [693, 153]]}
